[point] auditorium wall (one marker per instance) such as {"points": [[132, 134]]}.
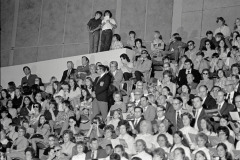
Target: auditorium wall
{"points": [[39, 30]]}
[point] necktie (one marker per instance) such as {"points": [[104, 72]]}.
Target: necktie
{"points": [[188, 72], [68, 73], [228, 98], [196, 114], [92, 155], [135, 123], [178, 120]]}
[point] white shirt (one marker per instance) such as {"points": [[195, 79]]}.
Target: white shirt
{"points": [[188, 71], [220, 105], [108, 25], [236, 88], [225, 30], [79, 156], [203, 100], [169, 137], [143, 155], [196, 118], [231, 96], [114, 73], [130, 142]]}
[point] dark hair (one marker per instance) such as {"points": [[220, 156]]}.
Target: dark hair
{"points": [[182, 151], [102, 67], [70, 133], [209, 32], [215, 55], [31, 150], [75, 84], [136, 158], [88, 96], [68, 104], [26, 67], [200, 54], [138, 40], [228, 155], [115, 156], [125, 56], [222, 71], [189, 89], [221, 19], [123, 150], [132, 32], [118, 37], [223, 129], [74, 118], [138, 108], [59, 87], [189, 61], [109, 12], [202, 153], [190, 117], [160, 152], [212, 46], [126, 124], [98, 12], [12, 86], [93, 139], [166, 140], [7, 94], [85, 58], [191, 41], [24, 105]]}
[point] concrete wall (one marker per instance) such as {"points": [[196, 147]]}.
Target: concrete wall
{"points": [[199, 16], [38, 30]]}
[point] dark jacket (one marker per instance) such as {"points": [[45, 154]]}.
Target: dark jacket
{"points": [[65, 76], [101, 86], [182, 76]]}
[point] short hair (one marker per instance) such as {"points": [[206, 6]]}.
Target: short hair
{"points": [[132, 32], [166, 57], [200, 54], [200, 98], [179, 99], [109, 127], [175, 34], [118, 37], [85, 58], [109, 145], [93, 139], [209, 32], [70, 63], [138, 40], [26, 67], [126, 124], [221, 19], [31, 150], [203, 86], [138, 108], [22, 128], [117, 93], [109, 12], [203, 136], [162, 107], [191, 41], [125, 56], [160, 152], [115, 63], [98, 12], [190, 117], [115, 156], [223, 129], [145, 97], [102, 67], [188, 61]]}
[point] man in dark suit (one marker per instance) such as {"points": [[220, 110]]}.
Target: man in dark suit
{"points": [[235, 78], [69, 73], [138, 118], [117, 74], [198, 112], [182, 76], [29, 79], [237, 105], [207, 99], [101, 85], [95, 153], [231, 94], [223, 106], [149, 112], [83, 70], [162, 102], [175, 116]]}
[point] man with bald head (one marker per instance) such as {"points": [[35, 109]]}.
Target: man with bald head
{"points": [[207, 100]]}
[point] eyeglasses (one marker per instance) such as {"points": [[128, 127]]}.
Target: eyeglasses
{"points": [[205, 73], [207, 44], [57, 150], [190, 44]]}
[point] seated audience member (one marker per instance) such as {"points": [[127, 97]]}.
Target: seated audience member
{"points": [[34, 118], [52, 142], [19, 145], [29, 79], [223, 134], [142, 66], [141, 150], [59, 154], [168, 67], [17, 100], [223, 50], [175, 46], [74, 92], [191, 83], [237, 25], [131, 39], [205, 79], [180, 142], [116, 42], [108, 135], [192, 51], [95, 152], [119, 149], [127, 66], [161, 110], [49, 86], [221, 79], [159, 153], [208, 50], [30, 154], [208, 39], [5, 96], [222, 152], [214, 92], [235, 79], [5, 142], [116, 117], [175, 116], [119, 104], [162, 101], [182, 76], [157, 45], [26, 108], [12, 134], [230, 91], [80, 151], [200, 63], [224, 122], [149, 112], [181, 66], [95, 130], [201, 146], [83, 70], [216, 63], [108, 24], [62, 118], [69, 73], [167, 81], [198, 112], [207, 100], [109, 150], [138, 48], [11, 89], [117, 74], [222, 27], [145, 134], [67, 145], [51, 154], [206, 127], [73, 125], [29, 130], [5, 121], [138, 118]]}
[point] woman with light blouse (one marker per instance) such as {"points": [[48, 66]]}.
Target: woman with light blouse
{"points": [[205, 79]]}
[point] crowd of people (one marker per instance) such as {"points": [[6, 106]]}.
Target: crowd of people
{"points": [[191, 111]]}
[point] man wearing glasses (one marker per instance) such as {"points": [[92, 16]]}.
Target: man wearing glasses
{"points": [[59, 154]]}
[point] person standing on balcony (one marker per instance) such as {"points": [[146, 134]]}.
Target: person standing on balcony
{"points": [[108, 24], [94, 26]]}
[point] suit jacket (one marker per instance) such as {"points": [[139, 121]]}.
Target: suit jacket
{"points": [[199, 118], [226, 108], [84, 69], [182, 76], [65, 75], [101, 153], [30, 81], [143, 66], [101, 86], [137, 126], [150, 113], [233, 99], [172, 118], [209, 102], [238, 88], [117, 78]]}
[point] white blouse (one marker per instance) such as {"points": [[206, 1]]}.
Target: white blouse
{"points": [[186, 149], [205, 150], [73, 94], [143, 155], [130, 143]]}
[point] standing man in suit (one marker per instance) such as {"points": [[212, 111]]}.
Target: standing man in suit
{"points": [[223, 106], [95, 152], [175, 116], [142, 66], [29, 78], [116, 73], [207, 100], [69, 73], [182, 76], [149, 112], [101, 85], [83, 70], [138, 118], [198, 112], [231, 94]]}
